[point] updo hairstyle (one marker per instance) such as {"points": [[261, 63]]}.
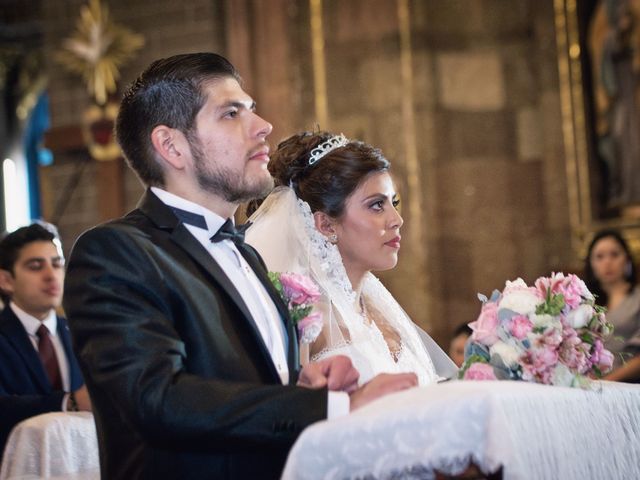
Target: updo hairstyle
{"points": [[326, 184]]}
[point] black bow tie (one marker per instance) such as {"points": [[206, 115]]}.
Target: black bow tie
{"points": [[227, 231], [230, 232], [190, 218]]}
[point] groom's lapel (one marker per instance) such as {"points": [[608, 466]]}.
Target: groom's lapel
{"points": [[164, 218], [293, 358], [194, 249]]}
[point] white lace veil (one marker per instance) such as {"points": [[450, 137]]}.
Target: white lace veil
{"points": [[284, 233]]}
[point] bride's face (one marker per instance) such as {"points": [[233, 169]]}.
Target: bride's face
{"points": [[369, 229]]}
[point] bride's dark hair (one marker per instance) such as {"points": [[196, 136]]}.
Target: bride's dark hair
{"points": [[326, 184]]}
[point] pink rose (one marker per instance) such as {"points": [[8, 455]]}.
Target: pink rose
{"points": [[479, 371], [299, 289], [310, 327], [606, 361], [573, 289], [485, 327], [538, 364], [550, 338], [573, 352], [601, 357], [546, 357], [549, 284], [520, 326]]}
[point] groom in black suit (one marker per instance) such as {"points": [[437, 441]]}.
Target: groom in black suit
{"points": [[188, 352]]}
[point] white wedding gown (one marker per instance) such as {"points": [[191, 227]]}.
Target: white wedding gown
{"points": [[284, 234]]}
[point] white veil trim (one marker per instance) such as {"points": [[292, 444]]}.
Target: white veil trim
{"points": [[284, 233]]}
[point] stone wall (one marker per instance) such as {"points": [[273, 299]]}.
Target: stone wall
{"points": [[500, 189], [169, 28]]}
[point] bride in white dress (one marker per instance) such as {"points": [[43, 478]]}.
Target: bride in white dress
{"points": [[333, 217]]}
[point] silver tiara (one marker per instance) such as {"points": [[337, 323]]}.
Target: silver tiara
{"points": [[321, 150]]}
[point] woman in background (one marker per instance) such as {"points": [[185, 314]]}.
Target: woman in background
{"points": [[610, 274]]}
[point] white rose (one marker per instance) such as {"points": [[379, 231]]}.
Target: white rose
{"points": [[523, 302], [545, 321], [585, 291], [517, 284], [580, 316], [508, 353], [562, 376]]}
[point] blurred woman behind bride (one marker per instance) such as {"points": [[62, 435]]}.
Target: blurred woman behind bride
{"points": [[332, 216]]}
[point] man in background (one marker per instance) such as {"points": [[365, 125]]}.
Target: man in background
{"points": [[458, 343], [38, 370]]}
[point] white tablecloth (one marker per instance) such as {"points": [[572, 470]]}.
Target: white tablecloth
{"points": [[533, 431], [54, 446]]}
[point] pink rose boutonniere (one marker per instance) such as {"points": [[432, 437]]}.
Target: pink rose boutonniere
{"points": [[300, 294]]}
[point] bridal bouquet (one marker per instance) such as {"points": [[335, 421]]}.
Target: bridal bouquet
{"points": [[300, 293], [549, 333]]}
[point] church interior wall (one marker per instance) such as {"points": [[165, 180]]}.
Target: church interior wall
{"points": [[467, 109]]}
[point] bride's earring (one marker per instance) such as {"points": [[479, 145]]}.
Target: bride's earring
{"points": [[333, 238]]}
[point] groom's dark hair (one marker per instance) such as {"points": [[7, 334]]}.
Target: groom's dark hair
{"points": [[169, 92], [326, 184]]}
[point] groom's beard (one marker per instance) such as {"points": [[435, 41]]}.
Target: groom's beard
{"points": [[224, 182]]}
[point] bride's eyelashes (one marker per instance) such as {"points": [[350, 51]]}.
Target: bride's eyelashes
{"points": [[378, 205]]}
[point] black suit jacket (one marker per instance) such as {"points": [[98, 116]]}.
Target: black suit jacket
{"points": [[25, 390], [181, 382]]}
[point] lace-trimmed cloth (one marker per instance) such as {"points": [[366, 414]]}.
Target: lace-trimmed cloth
{"points": [[53, 445], [533, 431]]}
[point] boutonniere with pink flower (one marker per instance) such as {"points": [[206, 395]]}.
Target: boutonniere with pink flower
{"points": [[551, 333], [300, 294]]}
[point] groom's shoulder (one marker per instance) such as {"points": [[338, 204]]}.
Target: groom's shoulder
{"points": [[133, 227], [132, 223]]}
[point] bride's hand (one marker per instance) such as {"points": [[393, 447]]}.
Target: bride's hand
{"points": [[336, 373], [381, 385]]}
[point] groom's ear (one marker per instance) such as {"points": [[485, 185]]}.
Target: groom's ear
{"points": [[170, 145], [325, 224]]}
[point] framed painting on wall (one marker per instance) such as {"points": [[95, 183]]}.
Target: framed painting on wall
{"points": [[598, 44]]}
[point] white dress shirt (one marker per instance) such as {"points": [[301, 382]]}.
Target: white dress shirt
{"points": [[253, 293]]}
